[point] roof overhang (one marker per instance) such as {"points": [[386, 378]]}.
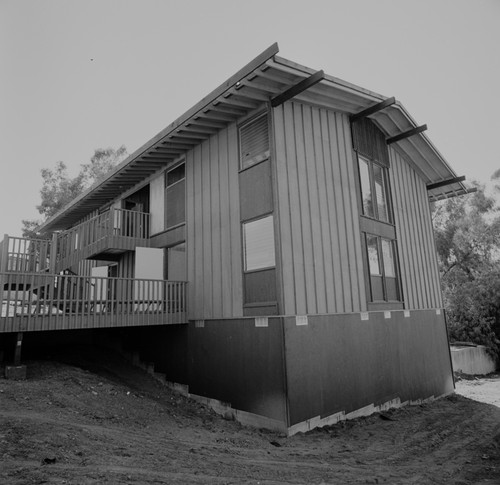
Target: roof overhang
{"points": [[260, 81]]}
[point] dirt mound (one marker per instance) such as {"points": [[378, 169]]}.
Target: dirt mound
{"points": [[91, 418]]}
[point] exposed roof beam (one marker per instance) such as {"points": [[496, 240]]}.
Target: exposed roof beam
{"points": [[188, 136], [262, 87], [443, 183], [373, 109], [213, 115], [451, 194], [406, 134], [297, 88], [207, 123], [155, 156], [198, 129], [253, 93], [234, 100], [169, 146]]}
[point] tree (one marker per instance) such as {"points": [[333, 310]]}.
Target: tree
{"points": [[466, 232], [101, 163], [59, 189]]}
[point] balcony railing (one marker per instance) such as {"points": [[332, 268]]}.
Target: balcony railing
{"points": [[24, 255], [109, 233], [41, 301]]}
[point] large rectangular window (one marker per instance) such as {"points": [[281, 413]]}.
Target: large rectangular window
{"points": [[373, 181], [175, 196], [258, 241]]}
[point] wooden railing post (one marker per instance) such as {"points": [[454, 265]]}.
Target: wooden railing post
{"points": [[111, 221], [53, 254], [4, 255]]}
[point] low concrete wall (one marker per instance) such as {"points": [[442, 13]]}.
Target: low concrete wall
{"points": [[471, 359]]}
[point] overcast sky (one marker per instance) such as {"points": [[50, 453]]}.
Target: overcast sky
{"points": [[85, 74]]}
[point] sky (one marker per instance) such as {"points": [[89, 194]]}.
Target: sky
{"points": [[76, 75]]}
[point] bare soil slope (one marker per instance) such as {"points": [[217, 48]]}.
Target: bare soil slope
{"points": [[96, 419]]}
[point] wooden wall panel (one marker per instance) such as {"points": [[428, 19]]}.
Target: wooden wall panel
{"points": [[416, 247], [213, 228], [405, 358], [126, 265], [245, 368], [157, 203], [318, 213]]}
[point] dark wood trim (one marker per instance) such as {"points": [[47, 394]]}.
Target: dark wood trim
{"points": [[260, 309], [446, 182], [298, 88], [377, 228], [373, 109], [406, 134], [384, 305], [169, 237]]}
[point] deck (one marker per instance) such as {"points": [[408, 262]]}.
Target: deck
{"points": [[36, 302]]}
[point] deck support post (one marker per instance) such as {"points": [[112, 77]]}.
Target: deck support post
{"points": [[16, 371], [17, 350]]}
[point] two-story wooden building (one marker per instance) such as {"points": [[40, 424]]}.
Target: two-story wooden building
{"points": [[272, 249]]}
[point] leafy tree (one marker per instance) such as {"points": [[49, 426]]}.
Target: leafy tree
{"points": [[467, 232], [59, 189], [101, 163]]}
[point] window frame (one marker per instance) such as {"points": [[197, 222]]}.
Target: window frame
{"points": [[244, 243], [260, 157], [384, 278], [371, 163], [167, 187]]}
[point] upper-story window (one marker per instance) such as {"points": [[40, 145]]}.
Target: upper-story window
{"points": [[374, 194], [254, 141], [175, 196]]}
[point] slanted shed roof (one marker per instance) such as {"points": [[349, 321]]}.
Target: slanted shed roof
{"points": [[260, 81]]}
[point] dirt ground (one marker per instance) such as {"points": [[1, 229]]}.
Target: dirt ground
{"points": [[98, 420]]}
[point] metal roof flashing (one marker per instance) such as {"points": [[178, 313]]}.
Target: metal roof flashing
{"points": [[264, 78]]}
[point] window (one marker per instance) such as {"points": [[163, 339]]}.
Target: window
{"points": [[258, 240], [378, 233], [384, 285], [373, 179], [254, 141], [175, 196]]}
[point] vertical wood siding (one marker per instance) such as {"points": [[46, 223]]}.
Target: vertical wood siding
{"points": [[321, 259], [417, 253], [213, 228], [157, 203]]}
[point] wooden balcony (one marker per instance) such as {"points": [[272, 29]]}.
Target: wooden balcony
{"points": [[22, 255], [41, 301], [103, 237]]}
